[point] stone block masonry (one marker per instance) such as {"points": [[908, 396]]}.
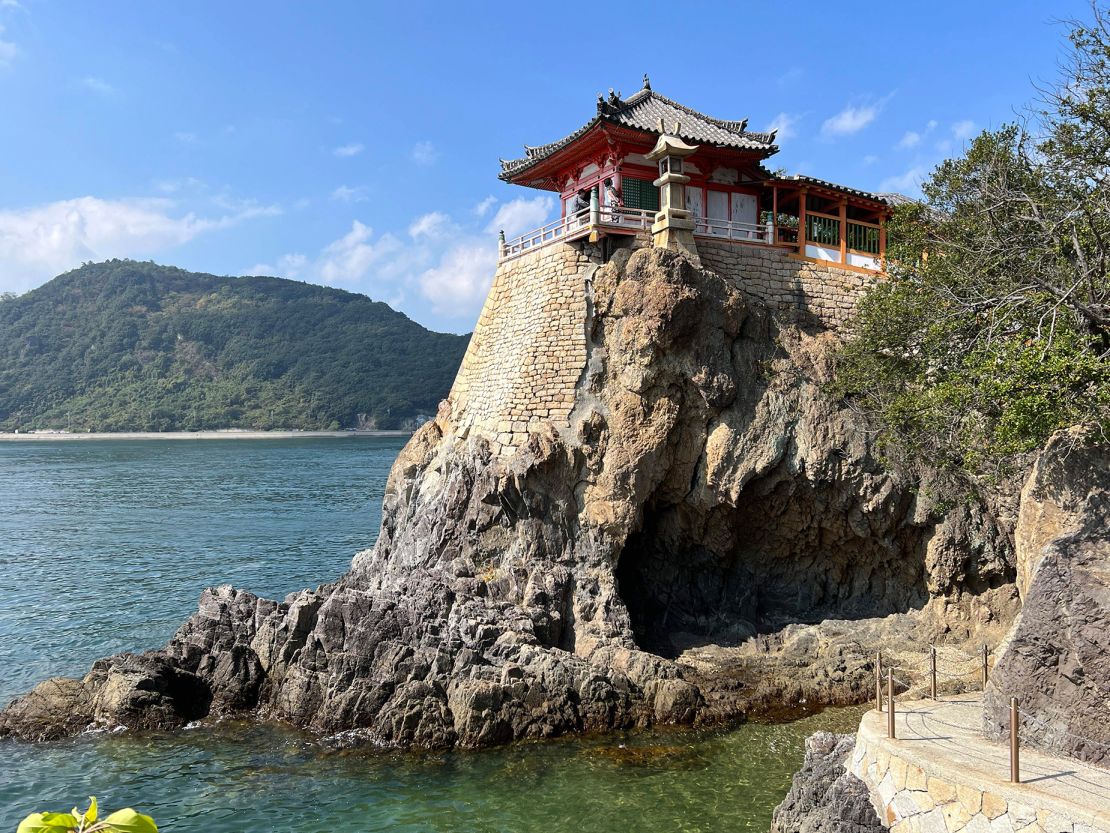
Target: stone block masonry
{"points": [[528, 349], [789, 284]]}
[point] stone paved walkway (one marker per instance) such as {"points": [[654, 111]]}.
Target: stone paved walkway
{"points": [[942, 740]]}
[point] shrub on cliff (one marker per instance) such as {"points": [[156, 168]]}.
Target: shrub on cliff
{"points": [[994, 328]]}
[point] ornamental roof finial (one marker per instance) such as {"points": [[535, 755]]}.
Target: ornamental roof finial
{"points": [[647, 82]]}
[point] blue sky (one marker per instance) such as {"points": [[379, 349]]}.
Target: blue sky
{"points": [[356, 144]]}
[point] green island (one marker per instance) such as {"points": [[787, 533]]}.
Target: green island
{"points": [[130, 346]]}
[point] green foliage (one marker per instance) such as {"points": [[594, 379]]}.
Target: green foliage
{"points": [[121, 821], [994, 328], [127, 346]]}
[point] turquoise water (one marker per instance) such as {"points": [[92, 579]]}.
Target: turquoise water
{"points": [[104, 546]]}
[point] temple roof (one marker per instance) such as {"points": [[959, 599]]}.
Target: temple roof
{"points": [[890, 199], [643, 111]]}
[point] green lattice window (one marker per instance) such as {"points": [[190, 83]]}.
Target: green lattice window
{"points": [[639, 193]]}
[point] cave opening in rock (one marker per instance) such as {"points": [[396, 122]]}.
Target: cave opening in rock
{"points": [[788, 552]]}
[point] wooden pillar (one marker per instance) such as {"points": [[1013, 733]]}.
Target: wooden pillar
{"points": [[774, 214], [882, 242], [802, 222], [844, 231], [1015, 766]]}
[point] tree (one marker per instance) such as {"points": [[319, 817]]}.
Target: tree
{"points": [[994, 328]]}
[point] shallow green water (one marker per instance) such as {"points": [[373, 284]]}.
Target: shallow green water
{"points": [[104, 547]]}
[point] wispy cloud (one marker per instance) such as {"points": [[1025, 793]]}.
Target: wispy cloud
{"points": [[38, 243], [349, 193], [432, 226], [424, 153], [8, 50], [186, 137], [790, 76], [908, 182], [347, 151], [97, 85], [784, 125], [850, 120], [910, 139], [963, 130], [482, 208], [523, 214]]}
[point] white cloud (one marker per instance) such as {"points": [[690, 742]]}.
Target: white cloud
{"points": [[433, 226], [963, 130], [944, 146], [424, 153], [931, 125], [482, 208], [910, 139], [462, 277], [8, 50], [791, 75], [97, 85], [38, 243], [347, 151], [174, 186], [870, 159], [521, 215], [784, 124], [348, 193], [850, 120], [906, 183], [186, 137]]}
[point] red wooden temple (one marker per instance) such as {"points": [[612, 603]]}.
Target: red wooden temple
{"points": [[609, 187]]}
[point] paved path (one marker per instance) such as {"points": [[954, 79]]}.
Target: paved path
{"points": [[946, 734]]}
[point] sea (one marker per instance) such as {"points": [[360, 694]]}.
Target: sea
{"points": [[105, 546]]}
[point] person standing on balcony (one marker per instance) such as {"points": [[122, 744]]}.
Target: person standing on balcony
{"points": [[613, 200]]}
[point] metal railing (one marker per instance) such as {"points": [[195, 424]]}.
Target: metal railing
{"points": [[980, 667], [735, 230], [612, 217]]}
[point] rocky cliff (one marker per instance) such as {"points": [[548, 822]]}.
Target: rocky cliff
{"points": [[684, 529], [1057, 659]]}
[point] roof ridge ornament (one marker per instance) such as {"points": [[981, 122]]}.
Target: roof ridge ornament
{"points": [[647, 82]]}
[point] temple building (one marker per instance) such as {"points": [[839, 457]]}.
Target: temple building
{"points": [[649, 165]]}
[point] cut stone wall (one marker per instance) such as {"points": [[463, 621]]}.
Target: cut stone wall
{"points": [[787, 283], [914, 792], [528, 349]]}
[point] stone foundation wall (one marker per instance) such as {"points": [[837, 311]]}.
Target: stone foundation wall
{"points": [[786, 283], [528, 349], [914, 794]]}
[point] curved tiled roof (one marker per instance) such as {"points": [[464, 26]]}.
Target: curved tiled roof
{"points": [[889, 199], [643, 111]]}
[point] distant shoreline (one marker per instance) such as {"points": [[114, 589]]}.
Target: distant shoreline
{"points": [[195, 435]]}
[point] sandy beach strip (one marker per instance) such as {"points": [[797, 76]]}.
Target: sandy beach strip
{"points": [[196, 435]]}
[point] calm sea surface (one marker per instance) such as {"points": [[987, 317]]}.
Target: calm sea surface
{"points": [[105, 546]]}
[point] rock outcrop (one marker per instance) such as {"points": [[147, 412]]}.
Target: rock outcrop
{"points": [[824, 796], [701, 533], [1057, 659]]}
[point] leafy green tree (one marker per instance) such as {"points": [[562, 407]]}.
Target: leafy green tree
{"points": [[994, 328]]}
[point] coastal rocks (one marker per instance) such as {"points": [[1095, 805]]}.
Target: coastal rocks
{"points": [[1057, 659], [701, 534], [824, 796]]}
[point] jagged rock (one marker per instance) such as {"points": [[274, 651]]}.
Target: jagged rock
{"points": [[1057, 659], [649, 562], [824, 797]]}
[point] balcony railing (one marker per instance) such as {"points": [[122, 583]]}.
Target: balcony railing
{"points": [[735, 230], [578, 224]]}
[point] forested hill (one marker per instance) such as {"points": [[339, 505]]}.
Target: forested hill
{"points": [[127, 346]]}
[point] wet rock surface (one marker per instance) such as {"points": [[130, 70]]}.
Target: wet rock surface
{"points": [[710, 536], [824, 796]]}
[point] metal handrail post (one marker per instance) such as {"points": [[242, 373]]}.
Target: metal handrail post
{"points": [[1015, 774], [878, 681], [933, 672], [890, 702]]}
